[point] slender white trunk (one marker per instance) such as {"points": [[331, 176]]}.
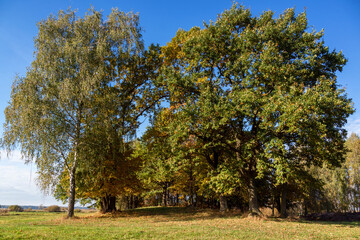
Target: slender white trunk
{"points": [[72, 171], [71, 205]]}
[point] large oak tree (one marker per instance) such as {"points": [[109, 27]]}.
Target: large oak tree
{"points": [[261, 89]]}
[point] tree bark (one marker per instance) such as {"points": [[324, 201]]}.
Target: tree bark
{"points": [[253, 198], [128, 206], [108, 204], [283, 213], [273, 206], [133, 205], [223, 203], [72, 169], [164, 196], [71, 205], [305, 208], [177, 199], [172, 199]]}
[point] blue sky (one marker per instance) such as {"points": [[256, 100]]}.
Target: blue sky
{"points": [[160, 20]]}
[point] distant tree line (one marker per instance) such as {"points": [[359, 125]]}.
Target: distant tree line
{"points": [[245, 112]]}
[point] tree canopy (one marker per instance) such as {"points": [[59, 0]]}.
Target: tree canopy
{"points": [[85, 70], [261, 89], [243, 111]]}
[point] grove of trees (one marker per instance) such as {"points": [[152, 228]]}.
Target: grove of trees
{"points": [[245, 112]]}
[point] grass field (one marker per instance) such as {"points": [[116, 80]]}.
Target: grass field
{"points": [[167, 223]]}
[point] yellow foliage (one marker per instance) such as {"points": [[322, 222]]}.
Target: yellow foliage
{"points": [[201, 80]]}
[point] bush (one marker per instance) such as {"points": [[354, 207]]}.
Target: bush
{"points": [[28, 210], [15, 208], [53, 208], [4, 211]]}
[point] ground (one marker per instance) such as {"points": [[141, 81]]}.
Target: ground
{"points": [[168, 223]]}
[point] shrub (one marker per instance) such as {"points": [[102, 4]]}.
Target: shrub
{"points": [[53, 208], [28, 210], [4, 211], [15, 208]]}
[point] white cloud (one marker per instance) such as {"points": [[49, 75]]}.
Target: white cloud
{"points": [[13, 176], [13, 156], [17, 183], [353, 126]]}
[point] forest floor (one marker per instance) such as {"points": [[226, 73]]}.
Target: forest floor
{"points": [[168, 223]]}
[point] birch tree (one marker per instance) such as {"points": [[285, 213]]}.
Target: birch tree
{"points": [[52, 107]]}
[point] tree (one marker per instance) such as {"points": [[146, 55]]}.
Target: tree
{"points": [[352, 170], [169, 167], [341, 185], [111, 168], [52, 107], [260, 89], [159, 166], [192, 170]]}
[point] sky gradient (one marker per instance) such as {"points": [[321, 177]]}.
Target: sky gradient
{"points": [[160, 20]]}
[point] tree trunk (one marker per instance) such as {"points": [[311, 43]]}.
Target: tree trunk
{"points": [[133, 202], [172, 199], [191, 192], [168, 197], [108, 204], [273, 206], [164, 197], [71, 205], [128, 202], [177, 199], [72, 169], [283, 213], [199, 201], [159, 199], [305, 208], [253, 198], [223, 204]]}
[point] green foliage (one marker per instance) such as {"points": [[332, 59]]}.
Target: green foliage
{"points": [[159, 165], [245, 106], [125, 93], [340, 186], [15, 208], [262, 91], [87, 82], [351, 171], [225, 181]]}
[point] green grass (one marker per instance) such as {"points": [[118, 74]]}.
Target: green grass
{"points": [[167, 223]]}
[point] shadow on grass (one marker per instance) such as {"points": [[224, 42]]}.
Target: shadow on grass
{"points": [[160, 214], [341, 223], [313, 222], [165, 214]]}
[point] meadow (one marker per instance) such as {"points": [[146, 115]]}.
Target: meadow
{"points": [[167, 223]]}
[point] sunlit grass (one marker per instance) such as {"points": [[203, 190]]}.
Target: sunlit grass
{"points": [[167, 223]]}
